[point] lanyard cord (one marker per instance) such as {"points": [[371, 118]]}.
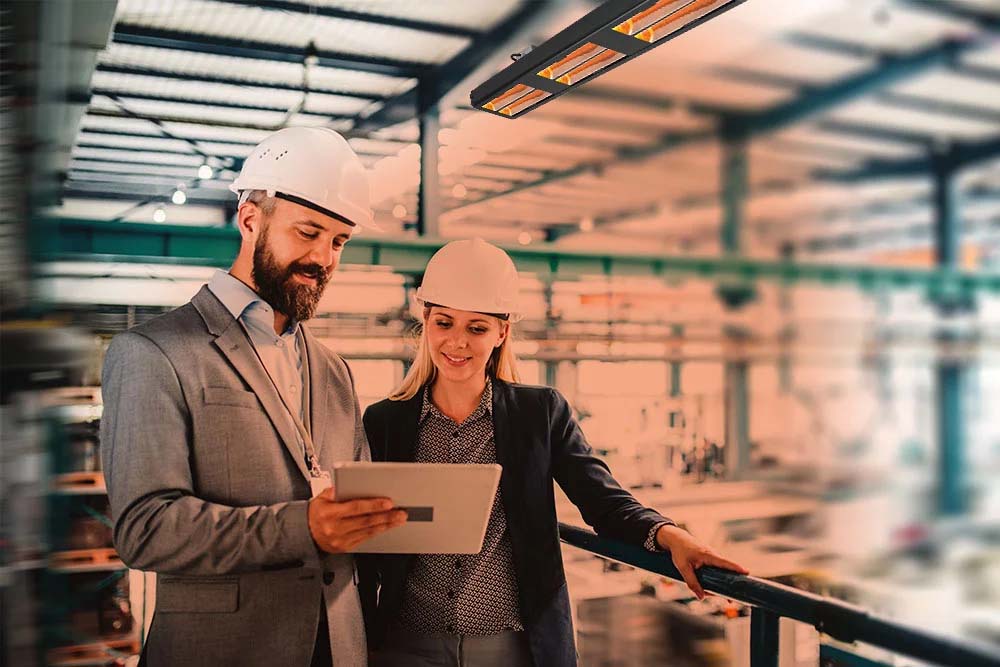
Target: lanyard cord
{"points": [[312, 460]]}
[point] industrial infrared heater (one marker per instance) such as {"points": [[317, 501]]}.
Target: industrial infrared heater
{"points": [[612, 34]]}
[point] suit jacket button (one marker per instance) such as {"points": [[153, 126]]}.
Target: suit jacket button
{"points": [[328, 578]]}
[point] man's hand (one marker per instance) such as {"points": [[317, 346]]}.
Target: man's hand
{"points": [[689, 554], [338, 527]]}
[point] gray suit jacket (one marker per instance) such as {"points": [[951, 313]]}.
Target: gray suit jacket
{"points": [[209, 489]]}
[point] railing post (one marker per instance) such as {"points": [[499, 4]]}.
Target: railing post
{"points": [[763, 638]]}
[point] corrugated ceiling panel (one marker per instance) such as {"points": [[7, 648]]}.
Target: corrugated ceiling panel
{"points": [[207, 18], [252, 70], [458, 13]]}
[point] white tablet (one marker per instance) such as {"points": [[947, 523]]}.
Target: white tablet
{"points": [[448, 504]]}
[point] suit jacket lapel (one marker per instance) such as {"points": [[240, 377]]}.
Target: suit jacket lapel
{"points": [[402, 440], [504, 437], [233, 343], [319, 389]]}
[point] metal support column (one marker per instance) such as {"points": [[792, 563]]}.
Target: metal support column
{"points": [[949, 374], [734, 190], [951, 436], [677, 332], [764, 634], [737, 417], [429, 194], [735, 176], [550, 373], [947, 226]]}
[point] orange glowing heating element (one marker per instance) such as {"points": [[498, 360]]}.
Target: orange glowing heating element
{"points": [[580, 64], [595, 64], [666, 17], [502, 100], [580, 55], [524, 102]]}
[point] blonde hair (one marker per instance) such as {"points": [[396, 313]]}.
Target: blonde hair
{"points": [[502, 364]]}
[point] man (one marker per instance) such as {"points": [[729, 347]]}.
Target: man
{"points": [[222, 420]]}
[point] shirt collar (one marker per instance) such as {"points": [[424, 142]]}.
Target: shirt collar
{"points": [[243, 302], [485, 406]]}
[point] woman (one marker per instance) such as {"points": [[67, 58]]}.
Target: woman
{"points": [[459, 403]]}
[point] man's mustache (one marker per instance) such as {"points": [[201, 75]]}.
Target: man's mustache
{"points": [[312, 270]]}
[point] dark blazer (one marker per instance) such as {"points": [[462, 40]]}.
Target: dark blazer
{"points": [[537, 440]]}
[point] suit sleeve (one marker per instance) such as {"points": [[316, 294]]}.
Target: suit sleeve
{"points": [[604, 504], [159, 522]]}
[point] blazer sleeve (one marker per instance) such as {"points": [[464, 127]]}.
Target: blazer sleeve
{"points": [[159, 522], [605, 506]]}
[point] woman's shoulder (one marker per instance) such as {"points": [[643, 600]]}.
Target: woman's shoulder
{"points": [[533, 393], [384, 408]]}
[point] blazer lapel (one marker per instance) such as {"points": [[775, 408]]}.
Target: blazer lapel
{"points": [[233, 343], [402, 441], [503, 438], [319, 388]]}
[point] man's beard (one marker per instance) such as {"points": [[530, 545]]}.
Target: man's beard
{"points": [[276, 286]]}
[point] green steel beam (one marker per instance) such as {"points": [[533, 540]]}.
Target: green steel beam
{"points": [[97, 240], [263, 85]]}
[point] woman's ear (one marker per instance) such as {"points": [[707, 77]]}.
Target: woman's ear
{"points": [[504, 330]]}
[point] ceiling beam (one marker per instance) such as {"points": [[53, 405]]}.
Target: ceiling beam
{"points": [[625, 154], [957, 156], [349, 15], [136, 149], [124, 96], [107, 113], [984, 19], [441, 80], [889, 70], [230, 81], [138, 35], [944, 107], [877, 133], [102, 191]]}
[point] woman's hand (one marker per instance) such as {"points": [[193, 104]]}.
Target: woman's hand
{"points": [[689, 554]]}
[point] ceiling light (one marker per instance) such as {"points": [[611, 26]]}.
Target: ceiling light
{"points": [[159, 215], [178, 197], [524, 238], [204, 171], [399, 211], [613, 33]]}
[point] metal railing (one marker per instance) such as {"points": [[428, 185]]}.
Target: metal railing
{"points": [[770, 602]]}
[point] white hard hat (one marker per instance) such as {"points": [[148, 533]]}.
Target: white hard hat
{"points": [[471, 275], [311, 166]]}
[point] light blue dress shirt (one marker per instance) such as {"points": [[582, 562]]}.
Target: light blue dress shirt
{"points": [[282, 355]]}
